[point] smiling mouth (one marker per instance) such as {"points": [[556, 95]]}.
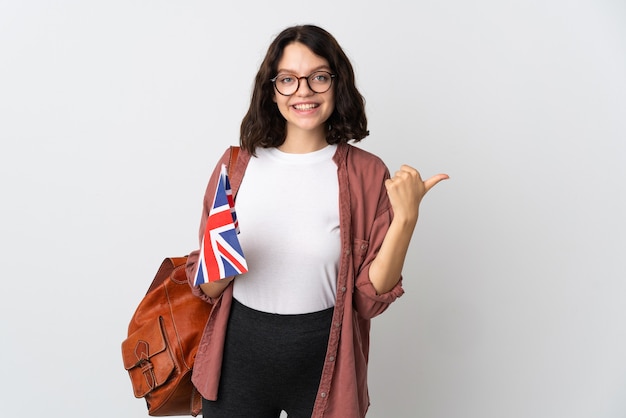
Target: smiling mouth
{"points": [[308, 106]]}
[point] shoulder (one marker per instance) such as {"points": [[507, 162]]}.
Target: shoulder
{"points": [[362, 161], [224, 159], [360, 154]]}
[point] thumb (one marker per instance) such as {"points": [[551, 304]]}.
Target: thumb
{"points": [[431, 182]]}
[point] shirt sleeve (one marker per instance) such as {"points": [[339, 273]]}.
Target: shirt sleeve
{"points": [[367, 301]]}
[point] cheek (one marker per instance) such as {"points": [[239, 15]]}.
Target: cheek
{"points": [[281, 105], [331, 104], [280, 102]]}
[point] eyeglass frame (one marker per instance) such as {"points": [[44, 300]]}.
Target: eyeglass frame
{"points": [[332, 76]]}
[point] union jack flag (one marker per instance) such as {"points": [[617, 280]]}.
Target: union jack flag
{"points": [[221, 255]]}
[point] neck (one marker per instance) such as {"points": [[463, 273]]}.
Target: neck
{"points": [[303, 142]]}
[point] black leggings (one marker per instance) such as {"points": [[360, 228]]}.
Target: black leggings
{"points": [[271, 363]]}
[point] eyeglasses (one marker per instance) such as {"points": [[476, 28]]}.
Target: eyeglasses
{"points": [[288, 84]]}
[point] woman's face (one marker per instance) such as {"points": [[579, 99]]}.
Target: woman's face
{"points": [[305, 111]]}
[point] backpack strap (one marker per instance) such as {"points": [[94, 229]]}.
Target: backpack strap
{"points": [[234, 153]]}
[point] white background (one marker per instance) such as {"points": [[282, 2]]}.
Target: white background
{"points": [[113, 113]]}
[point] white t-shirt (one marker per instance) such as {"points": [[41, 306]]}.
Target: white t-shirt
{"points": [[288, 212]]}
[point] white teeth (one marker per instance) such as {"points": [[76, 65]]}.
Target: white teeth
{"points": [[305, 106]]}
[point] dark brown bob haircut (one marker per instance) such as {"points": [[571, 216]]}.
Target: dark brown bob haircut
{"points": [[264, 126]]}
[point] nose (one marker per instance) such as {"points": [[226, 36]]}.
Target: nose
{"points": [[303, 87]]}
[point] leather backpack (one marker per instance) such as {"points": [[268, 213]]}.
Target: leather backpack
{"points": [[163, 338]]}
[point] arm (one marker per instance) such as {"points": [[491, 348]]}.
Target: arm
{"points": [[406, 190], [215, 289]]}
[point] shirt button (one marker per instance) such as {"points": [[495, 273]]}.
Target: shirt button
{"points": [[331, 358], [343, 289], [323, 394], [348, 251], [337, 324]]}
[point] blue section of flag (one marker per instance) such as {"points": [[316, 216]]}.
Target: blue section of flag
{"points": [[221, 198], [229, 269]]}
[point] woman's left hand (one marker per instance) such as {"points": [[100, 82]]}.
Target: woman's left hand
{"points": [[406, 190]]}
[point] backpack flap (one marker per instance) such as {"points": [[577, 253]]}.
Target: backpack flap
{"points": [[147, 358]]}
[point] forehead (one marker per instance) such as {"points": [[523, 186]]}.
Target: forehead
{"points": [[298, 58]]}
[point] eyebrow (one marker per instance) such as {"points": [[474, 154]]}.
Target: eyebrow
{"points": [[320, 68]]}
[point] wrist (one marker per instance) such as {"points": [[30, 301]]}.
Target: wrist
{"points": [[404, 221]]}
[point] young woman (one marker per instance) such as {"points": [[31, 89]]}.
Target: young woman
{"points": [[325, 232]]}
